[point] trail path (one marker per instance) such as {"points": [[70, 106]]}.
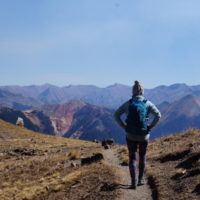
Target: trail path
{"points": [[141, 193]]}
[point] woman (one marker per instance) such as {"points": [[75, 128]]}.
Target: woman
{"points": [[137, 128]]}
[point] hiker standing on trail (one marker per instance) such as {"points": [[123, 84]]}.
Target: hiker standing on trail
{"points": [[137, 128]]}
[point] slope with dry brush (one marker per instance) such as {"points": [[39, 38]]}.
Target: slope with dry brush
{"points": [[39, 167], [173, 166]]}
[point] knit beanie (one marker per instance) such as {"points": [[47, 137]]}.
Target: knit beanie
{"points": [[137, 89]]}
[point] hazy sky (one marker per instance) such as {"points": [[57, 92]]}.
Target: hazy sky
{"points": [[99, 42]]}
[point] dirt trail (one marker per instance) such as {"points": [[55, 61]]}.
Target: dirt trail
{"points": [[141, 193]]}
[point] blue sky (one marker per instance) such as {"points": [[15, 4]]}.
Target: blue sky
{"points": [[99, 42]]}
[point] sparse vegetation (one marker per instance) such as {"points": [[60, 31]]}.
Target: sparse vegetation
{"points": [[123, 155], [36, 166], [174, 166], [74, 155]]}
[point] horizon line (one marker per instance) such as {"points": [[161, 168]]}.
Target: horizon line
{"points": [[92, 85]]}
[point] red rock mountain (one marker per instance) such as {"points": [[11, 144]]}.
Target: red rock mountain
{"points": [[73, 119], [61, 115], [76, 119]]}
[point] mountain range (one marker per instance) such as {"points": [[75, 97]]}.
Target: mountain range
{"points": [[86, 112], [73, 119], [111, 96], [18, 101]]}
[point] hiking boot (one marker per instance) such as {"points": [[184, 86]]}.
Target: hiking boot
{"points": [[141, 181], [133, 184]]}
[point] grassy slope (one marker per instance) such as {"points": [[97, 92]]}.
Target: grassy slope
{"points": [[174, 166], [36, 166]]}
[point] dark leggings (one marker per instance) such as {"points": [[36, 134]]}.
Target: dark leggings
{"points": [[132, 148]]}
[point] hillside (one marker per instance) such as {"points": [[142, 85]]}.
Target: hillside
{"points": [[174, 166], [80, 120], [40, 167], [178, 116], [171, 93], [76, 119], [17, 101], [73, 119], [35, 122]]}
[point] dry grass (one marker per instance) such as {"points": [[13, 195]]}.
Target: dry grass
{"points": [[36, 166], [123, 155], [74, 155], [174, 166]]}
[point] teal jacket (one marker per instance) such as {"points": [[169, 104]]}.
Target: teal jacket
{"points": [[151, 109]]}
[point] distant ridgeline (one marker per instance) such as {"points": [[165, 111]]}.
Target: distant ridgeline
{"points": [[74, 119], [71, 111]]}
